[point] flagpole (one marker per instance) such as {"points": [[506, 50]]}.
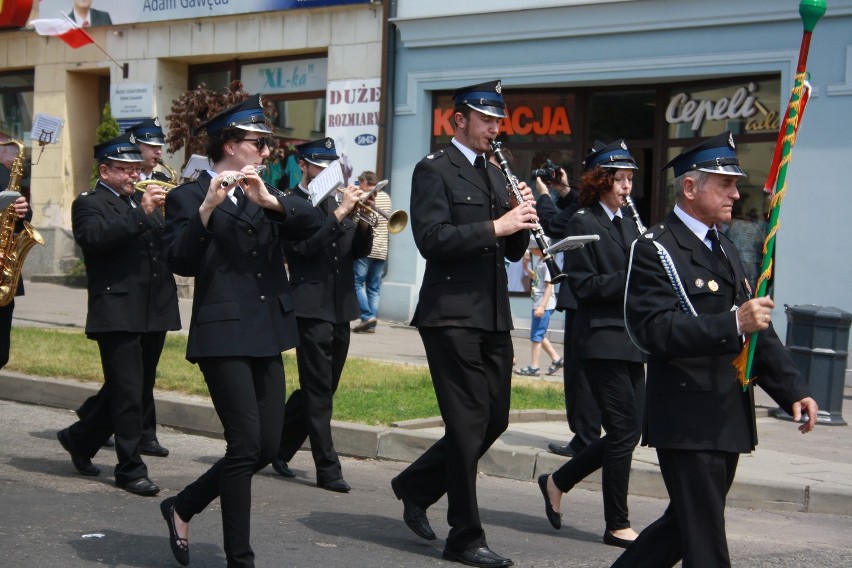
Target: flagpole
{"points": [[124, 67]]}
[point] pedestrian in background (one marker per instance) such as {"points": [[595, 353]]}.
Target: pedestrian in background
{"points": [[369, 270]]}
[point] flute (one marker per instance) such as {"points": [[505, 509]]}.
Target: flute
{"points": [[537, 231], [231, 179]]}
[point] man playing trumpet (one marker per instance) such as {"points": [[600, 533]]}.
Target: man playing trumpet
{"points": [[323, 283]]}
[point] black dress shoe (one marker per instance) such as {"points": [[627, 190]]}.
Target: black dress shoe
{"points": [[552, 516], [482, 556], [566, 450], [153, 448], [280, 466], [180, 546], [414, 516], [82, 464], [141, 486], [612, 540], [338, 485]]}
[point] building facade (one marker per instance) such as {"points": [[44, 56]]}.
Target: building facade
{"points": [[663, 75]]}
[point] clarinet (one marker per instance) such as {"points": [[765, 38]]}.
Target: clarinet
{"points": [[537, 231], [628, 202]]}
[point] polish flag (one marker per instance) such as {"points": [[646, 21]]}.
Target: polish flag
{"points": [[65, 30]]}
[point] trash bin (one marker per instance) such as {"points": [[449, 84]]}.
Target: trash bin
{"points": [[818, 340]]}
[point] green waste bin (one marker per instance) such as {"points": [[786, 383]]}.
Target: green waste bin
{"points": [[818, 340]]}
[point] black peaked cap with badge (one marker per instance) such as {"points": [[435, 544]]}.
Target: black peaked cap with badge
{"points": [[612, 155], [318, 152], [148, 132], [246, 115], [487, 98], [120, 149], [718, 155]]}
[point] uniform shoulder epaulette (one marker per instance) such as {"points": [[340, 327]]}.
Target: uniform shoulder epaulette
{"points": [[434, 155], [583, 211], [84, 194], [654, 232]]}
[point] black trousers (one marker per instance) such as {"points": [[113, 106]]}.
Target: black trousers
{"points": [[471, 372], [619, 389], [692, 527], [6, 332], [247, 394], [322, 351], [581, 408], [124, 357]]}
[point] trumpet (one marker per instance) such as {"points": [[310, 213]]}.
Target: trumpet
{"points": [[628, 202], [167, 185], [369, 213]]}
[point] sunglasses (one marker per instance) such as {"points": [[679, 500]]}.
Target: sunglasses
{"points": [[263, 141]]}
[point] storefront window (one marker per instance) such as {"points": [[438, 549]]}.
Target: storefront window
{"points": [[16, 111]]}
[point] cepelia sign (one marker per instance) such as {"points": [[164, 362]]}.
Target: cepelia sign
{"points": [[743, 105]]}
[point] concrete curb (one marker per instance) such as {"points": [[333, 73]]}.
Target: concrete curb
{"points": [[405, 442]]}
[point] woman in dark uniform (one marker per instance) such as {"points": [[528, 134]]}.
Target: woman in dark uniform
{"points": [[607, 356], [225, 229]]}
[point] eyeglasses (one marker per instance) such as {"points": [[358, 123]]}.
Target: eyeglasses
{"points": [[126, 171], [263, 141]]}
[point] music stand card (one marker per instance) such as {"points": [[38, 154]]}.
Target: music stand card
{"points": [[196, 164], [327, 182], [571, 243], [46, 129]]}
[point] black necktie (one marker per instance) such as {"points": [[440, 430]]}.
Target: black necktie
{"points": [[617, 222], [479, 164], [126, 199], [713, 237], [239, 196]]}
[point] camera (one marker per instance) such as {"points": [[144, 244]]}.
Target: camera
{"points": [[549, 172]]}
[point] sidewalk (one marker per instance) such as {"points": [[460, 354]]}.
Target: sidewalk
{"points": [[788, 471]]}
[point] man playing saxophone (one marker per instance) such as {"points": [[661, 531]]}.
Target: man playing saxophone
{"points": [[24, 213]]}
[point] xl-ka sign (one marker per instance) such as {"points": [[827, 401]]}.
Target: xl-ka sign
{"points": [[521, 120]]}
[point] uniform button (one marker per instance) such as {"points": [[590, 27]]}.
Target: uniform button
{"points": [[448, 277], [108, 288], [259, 276], [250, 232], [155, 275], [337, 271], [683, 385], [467, 198], [263, 298], [335, 258], [334, 244], [254, 253]]}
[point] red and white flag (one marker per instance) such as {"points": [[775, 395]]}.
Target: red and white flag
{"points": [[65, 30]]}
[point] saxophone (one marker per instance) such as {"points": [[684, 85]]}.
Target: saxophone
{"points": [[13, 248]]}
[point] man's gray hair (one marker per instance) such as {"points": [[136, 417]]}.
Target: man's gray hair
{"points": [[700, 178]]}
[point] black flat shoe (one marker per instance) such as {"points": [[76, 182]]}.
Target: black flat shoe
{"points": [[565, 451], [553, 517], [612, 540], [281, 468], [483, 557], [82, 464], [153, 448], [336, 485], [142, 486], [180, 546], [414, 516]]}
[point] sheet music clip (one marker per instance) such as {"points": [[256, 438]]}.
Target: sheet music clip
{"points": [[196, 164], [48, 129], [326, 183], [571, 243]]}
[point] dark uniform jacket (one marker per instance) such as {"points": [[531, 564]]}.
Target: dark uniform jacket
{"points": [[130, 287], [465, 283], [554, 221], [693, 399], [19, 223], [321, 267], [597, 273], [242, 304]]}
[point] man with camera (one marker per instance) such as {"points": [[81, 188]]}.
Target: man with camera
{"points": [[584, 417]]}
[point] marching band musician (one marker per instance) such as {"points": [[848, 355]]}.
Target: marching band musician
{"points": [[225, 229], [464, 226], [149, 139], [24, 213], [687, 304], [132, 303], [323, 279], [611, 363]]}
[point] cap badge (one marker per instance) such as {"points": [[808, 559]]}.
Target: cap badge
{"points": [[713, 285], [132, 138], [498, 88], [157, 122], [699, 283], [731, 141], [328, 143], [623, 145]]}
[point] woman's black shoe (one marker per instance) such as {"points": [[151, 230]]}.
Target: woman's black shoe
{"points": [[552, 516], [180, 546], [612, 540]]}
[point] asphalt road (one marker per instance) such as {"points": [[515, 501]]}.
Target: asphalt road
{"points": [[52, 517]]}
